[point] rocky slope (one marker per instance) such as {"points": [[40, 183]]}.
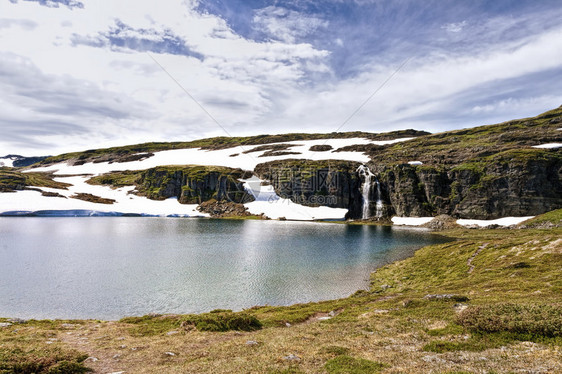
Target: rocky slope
{"points": [[486, 172], [517, 183]]}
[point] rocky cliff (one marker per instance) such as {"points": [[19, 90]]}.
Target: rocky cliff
{"points": [[193, 185], [518, 183], [189, 184], [335, 184], [486, 172], [482, 173]]}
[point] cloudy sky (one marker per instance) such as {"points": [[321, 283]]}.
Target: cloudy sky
{"points": [[81, 74]]}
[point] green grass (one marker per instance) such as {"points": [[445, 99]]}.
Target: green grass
{"points": [[217, 321], [475, 148], [23, 359], [350, 365], [536, 319], [116, 179], [11, 180], [549, 219]]}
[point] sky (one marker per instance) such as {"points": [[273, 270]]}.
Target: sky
{"points": [[85, 74]]}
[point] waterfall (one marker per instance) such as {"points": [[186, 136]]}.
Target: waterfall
{"points": [[378, 206], [366, 189]]}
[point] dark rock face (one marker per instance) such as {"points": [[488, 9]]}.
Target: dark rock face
{"points": [[21, 161], [517, 183], [193, 185], [335, 184], [481, 191]]}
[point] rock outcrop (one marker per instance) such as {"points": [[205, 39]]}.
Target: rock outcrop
{"points": [[225, 209], [519, 183], [331, 183], [193, 184]]}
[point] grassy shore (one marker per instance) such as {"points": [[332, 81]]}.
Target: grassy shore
{"points": [[489, 301]]}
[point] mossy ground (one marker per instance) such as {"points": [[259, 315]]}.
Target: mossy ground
{"points": [[511, 275], [477, 148], [13, 179]]}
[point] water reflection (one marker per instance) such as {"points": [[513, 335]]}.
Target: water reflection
{"points": [[112, 267]]}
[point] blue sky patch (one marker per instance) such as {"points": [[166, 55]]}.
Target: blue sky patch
{"points": [[122, 36], [56, 3]]}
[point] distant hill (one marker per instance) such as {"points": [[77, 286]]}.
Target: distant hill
{"points": [[18, 161]]}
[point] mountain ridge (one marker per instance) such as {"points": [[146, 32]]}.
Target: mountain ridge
{"points": [[487, 172]]}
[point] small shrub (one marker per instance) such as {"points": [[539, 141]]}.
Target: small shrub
{"points": [[519, 265], [67, 367], [335, 350], [541, 320], [217, 320], [351, 365], [443, 346], [225, 321], [20, 360]]}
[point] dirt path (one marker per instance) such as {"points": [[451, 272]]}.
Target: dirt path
{"points": [[469, 261]]}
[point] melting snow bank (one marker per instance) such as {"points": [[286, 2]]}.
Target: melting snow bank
{"points": [[275, 207], [548, 145], [31, 203], [70, 213], [411, 221], [418, 221], [506, 221], [230, 157]]}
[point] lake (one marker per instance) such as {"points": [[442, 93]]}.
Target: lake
{"points": [[108, 268]]}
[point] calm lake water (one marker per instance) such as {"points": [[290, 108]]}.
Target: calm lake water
{"points": [[108, 268]]}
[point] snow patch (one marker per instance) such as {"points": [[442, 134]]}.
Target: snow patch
{"points": [[548, 145], [273, 206], [411, 221], [415, 162], [7, 162], [505, 221], [222, 157], [125, 203]]}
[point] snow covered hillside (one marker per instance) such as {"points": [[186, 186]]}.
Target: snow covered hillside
{"points": [[266, 201]]}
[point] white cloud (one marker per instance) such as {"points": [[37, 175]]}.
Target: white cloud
{"points": [[425, 87], [59, 95], [455, 27], [286, 25], [236, 81], [23, 23]]}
